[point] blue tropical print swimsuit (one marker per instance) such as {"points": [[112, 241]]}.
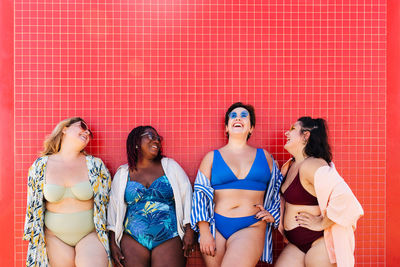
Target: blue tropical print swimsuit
{"points": [[150, 218]]}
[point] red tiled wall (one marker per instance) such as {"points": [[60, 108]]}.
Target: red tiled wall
{"points": [[178, 65]]}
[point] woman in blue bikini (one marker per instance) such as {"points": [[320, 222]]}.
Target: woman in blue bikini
{"points": [[150, 203], [236, 197]]}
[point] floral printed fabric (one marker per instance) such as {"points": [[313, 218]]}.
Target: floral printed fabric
{"points": [[100, 181], [150, 217]]}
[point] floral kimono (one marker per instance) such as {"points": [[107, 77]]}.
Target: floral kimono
{"points": [[100, 180]]}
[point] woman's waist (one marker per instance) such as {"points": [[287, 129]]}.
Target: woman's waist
{"points": [[150, 208], [69, 222], [291, 211], [70, 205], [238, 197], [237, 209]]}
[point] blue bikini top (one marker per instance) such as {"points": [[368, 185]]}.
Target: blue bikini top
{"points": [[257, 179]]}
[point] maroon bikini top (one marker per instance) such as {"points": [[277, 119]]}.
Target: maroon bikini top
{"points": [[296, 194]]}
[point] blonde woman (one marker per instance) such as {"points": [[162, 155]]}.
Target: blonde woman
{"points": [[68, 193]]}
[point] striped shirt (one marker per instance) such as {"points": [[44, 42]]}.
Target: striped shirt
{"points": [[203, 206]]}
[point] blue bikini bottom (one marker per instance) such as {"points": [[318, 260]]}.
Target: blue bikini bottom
{"points": [[227, 226]]}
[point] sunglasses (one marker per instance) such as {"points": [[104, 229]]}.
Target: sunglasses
{"points": [[86, 128], [152, 136], [243, 114]]}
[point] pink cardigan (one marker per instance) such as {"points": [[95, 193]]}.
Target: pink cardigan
{"points": [[337, 201]]}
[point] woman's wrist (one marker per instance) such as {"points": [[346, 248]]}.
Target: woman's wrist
{"points": [[112, 241], [326, 222], [187, 227], [204, 227]]}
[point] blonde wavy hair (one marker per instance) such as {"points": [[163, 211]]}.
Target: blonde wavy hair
{"points": [[52, 143]]}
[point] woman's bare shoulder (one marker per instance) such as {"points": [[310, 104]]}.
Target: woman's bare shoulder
{"points": [[269, 159], [310, 166], [206, 164]]}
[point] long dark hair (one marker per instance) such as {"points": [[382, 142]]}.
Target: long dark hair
{"points": [[133, 146], [317, 144], [249, 108]]}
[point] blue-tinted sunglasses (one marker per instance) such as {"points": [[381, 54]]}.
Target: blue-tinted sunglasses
{"points": [[234, 115]]}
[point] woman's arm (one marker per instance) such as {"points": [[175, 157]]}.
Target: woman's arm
{"points": [[188, 241], [185, 191], [202, 199], [116, 252], [273, 203], [312, 222], [206, 164]]}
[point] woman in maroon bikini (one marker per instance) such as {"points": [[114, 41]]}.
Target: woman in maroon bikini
{"points": [[305, 218]]}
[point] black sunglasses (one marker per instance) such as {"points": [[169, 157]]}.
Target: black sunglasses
{"points": [[86, 128], [152, 136]]}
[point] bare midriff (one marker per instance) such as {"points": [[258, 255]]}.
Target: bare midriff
{"points": [[70, 205], [237, 202], [291, 211]]}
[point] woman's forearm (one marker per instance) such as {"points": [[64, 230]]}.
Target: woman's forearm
{"points": [[112, 238], [326, 222], [204, 227]]}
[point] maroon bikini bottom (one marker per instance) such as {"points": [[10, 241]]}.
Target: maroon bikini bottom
{"points": [[302, 237]]}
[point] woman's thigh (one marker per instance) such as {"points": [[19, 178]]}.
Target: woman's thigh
{"points": [[169, 253], [90, 252], [59, 253], [216, 261], [317, 255], [290, 256], [245, 247], [134, 253]]}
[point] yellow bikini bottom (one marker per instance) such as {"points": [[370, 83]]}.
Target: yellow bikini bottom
{"points": [[70, 227]]}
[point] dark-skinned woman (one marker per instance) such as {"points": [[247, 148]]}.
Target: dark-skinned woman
{"points": [[150, 203]]}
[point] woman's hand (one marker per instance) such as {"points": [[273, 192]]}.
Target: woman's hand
{"points": [[188, 241], [263, 214], [116, 253], [207, 244], [310, 221]]}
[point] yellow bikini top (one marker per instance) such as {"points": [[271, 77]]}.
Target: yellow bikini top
{"points": [[80, 191]]}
